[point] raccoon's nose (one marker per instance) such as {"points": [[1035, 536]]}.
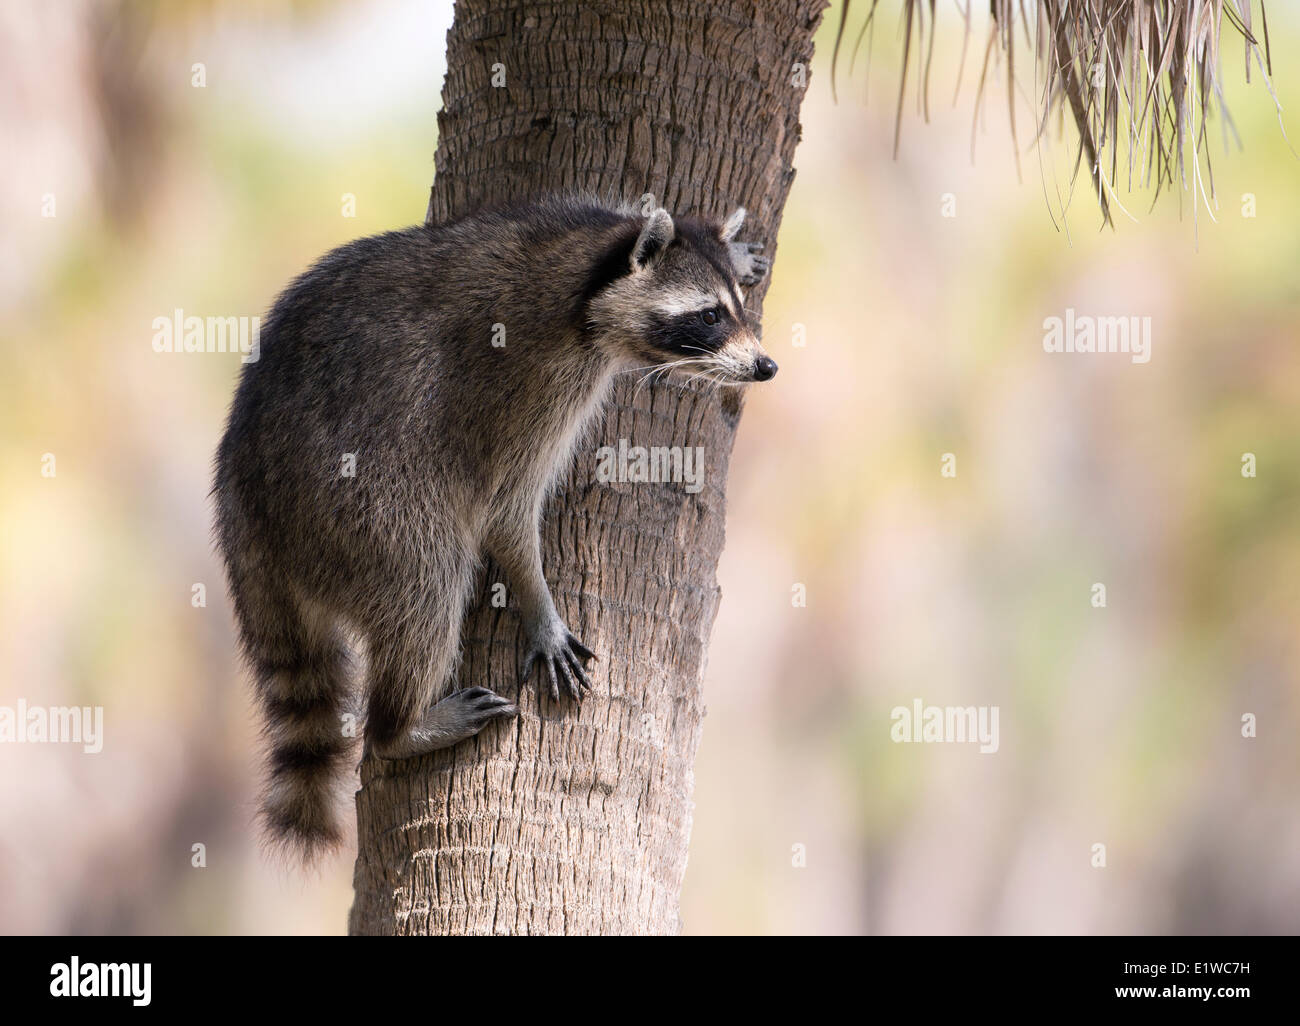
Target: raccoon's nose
{"points": [[764, 369]]}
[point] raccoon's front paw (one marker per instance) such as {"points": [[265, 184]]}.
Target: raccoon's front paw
{"points": [[750, 267], [562, 656]]}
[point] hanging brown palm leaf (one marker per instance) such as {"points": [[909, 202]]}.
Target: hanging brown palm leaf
{"points": [[1139, 78]]}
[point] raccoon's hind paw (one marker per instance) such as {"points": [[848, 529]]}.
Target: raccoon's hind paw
{"points": [[473, 708], [562, 656], [460, 715], [750, 267]]}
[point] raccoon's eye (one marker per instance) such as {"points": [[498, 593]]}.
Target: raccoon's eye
{"points": [[709, 317]]}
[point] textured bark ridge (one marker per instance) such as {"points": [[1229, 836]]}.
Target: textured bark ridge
{"points": [[576, 820]]}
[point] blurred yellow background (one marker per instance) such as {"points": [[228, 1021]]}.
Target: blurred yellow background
{"points": [[922, 335]]}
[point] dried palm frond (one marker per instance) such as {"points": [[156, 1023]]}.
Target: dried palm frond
{"points": [[1139, 76]]}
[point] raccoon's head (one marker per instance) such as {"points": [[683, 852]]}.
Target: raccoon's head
{"points": [[667, 299]]}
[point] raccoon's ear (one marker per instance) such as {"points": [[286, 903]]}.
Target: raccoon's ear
{"points": [[653, 240], [732, 225]]}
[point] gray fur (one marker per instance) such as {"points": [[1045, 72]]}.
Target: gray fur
{"points": [[732, 225], [750, 267], [384, 350], [653, 240]]}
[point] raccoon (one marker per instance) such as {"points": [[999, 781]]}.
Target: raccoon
{"points": [[417, 395]]}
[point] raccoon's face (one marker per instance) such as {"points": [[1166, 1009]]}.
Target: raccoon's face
{"points": [[676, 308]]}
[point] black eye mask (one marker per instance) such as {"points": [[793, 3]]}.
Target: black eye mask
{"points": [[688, 335]]}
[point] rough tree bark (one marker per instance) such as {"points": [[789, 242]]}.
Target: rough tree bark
{"points": [[576, 820]]}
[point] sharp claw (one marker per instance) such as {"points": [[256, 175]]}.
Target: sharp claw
{"points": [[577, 669], [580, 648], [570, 685], [564, 666], [550, 672]]}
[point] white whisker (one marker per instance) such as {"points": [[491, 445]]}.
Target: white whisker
{"points": [[660, 370]]}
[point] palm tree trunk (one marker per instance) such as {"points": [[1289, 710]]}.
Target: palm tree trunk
{"points": [[568, 820]]}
